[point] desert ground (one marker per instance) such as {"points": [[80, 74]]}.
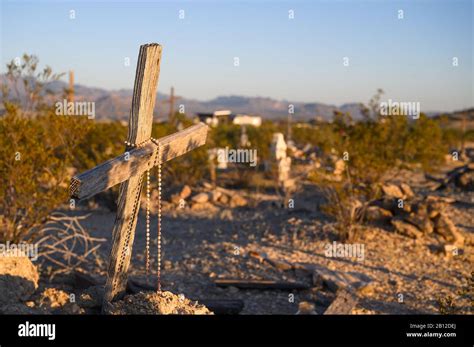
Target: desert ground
{"points": [[263, 240]]}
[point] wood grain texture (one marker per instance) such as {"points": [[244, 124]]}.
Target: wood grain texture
{"points": [[139, 130], [260, 284], [344, 302], [144, 93], [119, 169]]}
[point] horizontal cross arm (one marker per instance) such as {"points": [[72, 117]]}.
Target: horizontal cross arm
{"points": [[136, 161]]}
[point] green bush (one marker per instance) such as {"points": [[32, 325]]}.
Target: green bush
{"points": [[35, 154]]}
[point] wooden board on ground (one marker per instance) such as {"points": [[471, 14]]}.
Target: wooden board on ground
{"points": [[260, 284], [344, 302]]}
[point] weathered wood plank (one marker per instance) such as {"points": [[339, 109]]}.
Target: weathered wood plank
{"points": [[140, 126], [119, 169], [344, 302], [260, 284]]}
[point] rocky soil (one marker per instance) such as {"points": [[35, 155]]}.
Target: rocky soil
{"points": [[210, 235], [157, 303]]}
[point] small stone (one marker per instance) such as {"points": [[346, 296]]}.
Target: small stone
{"points": [[339, 167], [224, 199], [445, 227], [375, 213], [450, 250], [466, 181], [185, 192], [203, 206], [393, 191], [216, 195], [200, 198], [226, 214], [237, 201], [406, 229], [305, 307], [91, 297], [53, 298], [406, 189], [175, 199], [367, 289]]}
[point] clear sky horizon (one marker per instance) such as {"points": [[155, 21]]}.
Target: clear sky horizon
{"points": [[298, 59]]}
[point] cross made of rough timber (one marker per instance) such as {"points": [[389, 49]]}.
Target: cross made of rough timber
{"points": [[128, 169]]}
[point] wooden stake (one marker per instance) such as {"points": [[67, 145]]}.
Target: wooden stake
{"points": [[70, 94], [140, 125]]}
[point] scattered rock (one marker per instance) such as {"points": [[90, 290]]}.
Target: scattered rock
{"points": [[367, 289], [216, 195], [226, 214], [465, 181], [18, 278], [406, 229], [185, 192], [200, 198], [335, 280], [450, 250], [393, 191], [91, 297], [167, 265], [445, 227], [224, 199], [175, 199], [339, 167], [305, 307], [407, 191], [376, 213], [53, 298], [420, 218], [157, 303], [237, 201], [199, 206]]}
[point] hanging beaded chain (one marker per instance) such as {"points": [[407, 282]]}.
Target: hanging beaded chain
{"points": [[159, 222], [147, 247]]}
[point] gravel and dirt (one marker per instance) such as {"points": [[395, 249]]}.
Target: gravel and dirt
{"points": [[264, 240]]}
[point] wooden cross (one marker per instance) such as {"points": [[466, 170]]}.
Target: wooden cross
{"points": [[128, 168]]}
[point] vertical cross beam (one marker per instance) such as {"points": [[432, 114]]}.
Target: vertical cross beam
{"points": [[139, 130]]}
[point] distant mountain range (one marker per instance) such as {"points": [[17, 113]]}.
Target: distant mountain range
{"points": [[115, 104]]}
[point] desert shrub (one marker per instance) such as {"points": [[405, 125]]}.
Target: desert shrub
{"points": [[101, 142], [187, 169], [36, 151], [325, 136], [35, 154], [373, 148]]}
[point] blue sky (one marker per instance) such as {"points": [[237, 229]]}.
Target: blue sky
{"points": [[298, 60]]}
